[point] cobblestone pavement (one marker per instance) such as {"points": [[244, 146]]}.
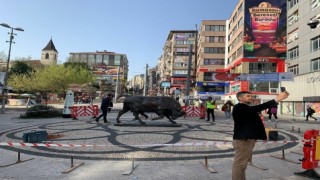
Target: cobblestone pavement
{"points": [[119, 145]]}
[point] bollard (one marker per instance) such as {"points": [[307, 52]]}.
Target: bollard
{"points": [[133, 167], [206, 166], [72, 166], [292, 128], [282, 157], [19, 160], [71, 161], [298, 129]]}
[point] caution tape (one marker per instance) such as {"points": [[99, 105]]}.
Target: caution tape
{"points": [[202, 143]]}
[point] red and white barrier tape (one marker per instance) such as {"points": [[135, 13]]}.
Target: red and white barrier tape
{"points": [[203, 143]]}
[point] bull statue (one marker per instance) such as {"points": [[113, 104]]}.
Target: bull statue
{"points": [[163, 106]]}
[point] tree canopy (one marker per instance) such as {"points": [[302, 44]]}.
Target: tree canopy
{"points": [[56, 79]]}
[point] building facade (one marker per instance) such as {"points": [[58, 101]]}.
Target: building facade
{"points": [[303, 58], [104, 64], [210, 59], [178, 50], [256, 45]]}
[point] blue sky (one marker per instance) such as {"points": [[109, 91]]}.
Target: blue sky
{"points": [[137, 28]]}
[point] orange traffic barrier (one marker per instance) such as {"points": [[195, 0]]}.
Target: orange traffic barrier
{"points": [[192, 111], [77, 111]]}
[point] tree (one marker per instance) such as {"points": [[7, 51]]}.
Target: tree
{"points": [[20, 67], [77, 65], [54, 79]]}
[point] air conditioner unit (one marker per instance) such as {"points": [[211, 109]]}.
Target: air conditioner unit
{"points": [[273, 91]]}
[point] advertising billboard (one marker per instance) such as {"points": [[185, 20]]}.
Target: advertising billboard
{"points": [[265, 28]]}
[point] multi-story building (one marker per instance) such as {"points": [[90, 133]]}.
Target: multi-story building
{"points": [[152, 89], [303, 58], [173, 64], [256, 45], [104, 64], [210, 58]]}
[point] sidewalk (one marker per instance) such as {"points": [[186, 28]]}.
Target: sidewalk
{"points": [[193, 129]]}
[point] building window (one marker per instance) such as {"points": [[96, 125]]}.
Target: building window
{"points": [[293, 53], [258, 68], [215, 39], [240, 9], [180, 72], [47, 55], [182, 49], [83, 58], [106, 59], [184, 42], [315, 4], [292, 3], [294, 69], [315, 44], [180, 64], [214, 50], [294, 35], [117, 60], [215, 28], [315, 64], [91, 58], [213, 62], [98, 59], [293, 18]]}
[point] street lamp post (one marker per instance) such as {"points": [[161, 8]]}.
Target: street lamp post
{"points": [[8, 61]]}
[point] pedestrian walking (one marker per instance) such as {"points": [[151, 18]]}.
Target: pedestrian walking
{"points": [[273, 111], [248, 128], [210, 105], [110, 104], [310, 112], [227, 109], [104, 108]]}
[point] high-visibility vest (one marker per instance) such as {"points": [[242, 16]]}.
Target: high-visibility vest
{"points": [[210, 105]]}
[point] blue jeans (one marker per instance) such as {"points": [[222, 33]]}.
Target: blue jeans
{"points": [[227, 114]]}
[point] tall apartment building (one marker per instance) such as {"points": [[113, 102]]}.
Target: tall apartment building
{"points": [[152, 89], [104, 64], [210, 59], [256, 44], [303, 58], [173, 64]]}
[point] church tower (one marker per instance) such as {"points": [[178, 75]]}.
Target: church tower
{"points": [[49, 54]]}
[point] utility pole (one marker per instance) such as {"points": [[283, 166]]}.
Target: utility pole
{"points": [[117, 84], [188, 75], [145, 81], [196, 52]]}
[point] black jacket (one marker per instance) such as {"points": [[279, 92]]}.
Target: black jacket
{"points": [[247, 122], [105, 103]]}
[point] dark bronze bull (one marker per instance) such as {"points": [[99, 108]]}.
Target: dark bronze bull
{"points": [[163, 106]]}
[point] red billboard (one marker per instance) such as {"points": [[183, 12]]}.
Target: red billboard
{"points": [[265, 28]]}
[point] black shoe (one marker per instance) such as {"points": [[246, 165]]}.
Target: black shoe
{"points": [[207, 120], [106, 121], [97, 120]]}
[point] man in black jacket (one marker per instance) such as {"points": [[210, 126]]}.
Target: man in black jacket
{"points": [[104, 108], [248, 128]]}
